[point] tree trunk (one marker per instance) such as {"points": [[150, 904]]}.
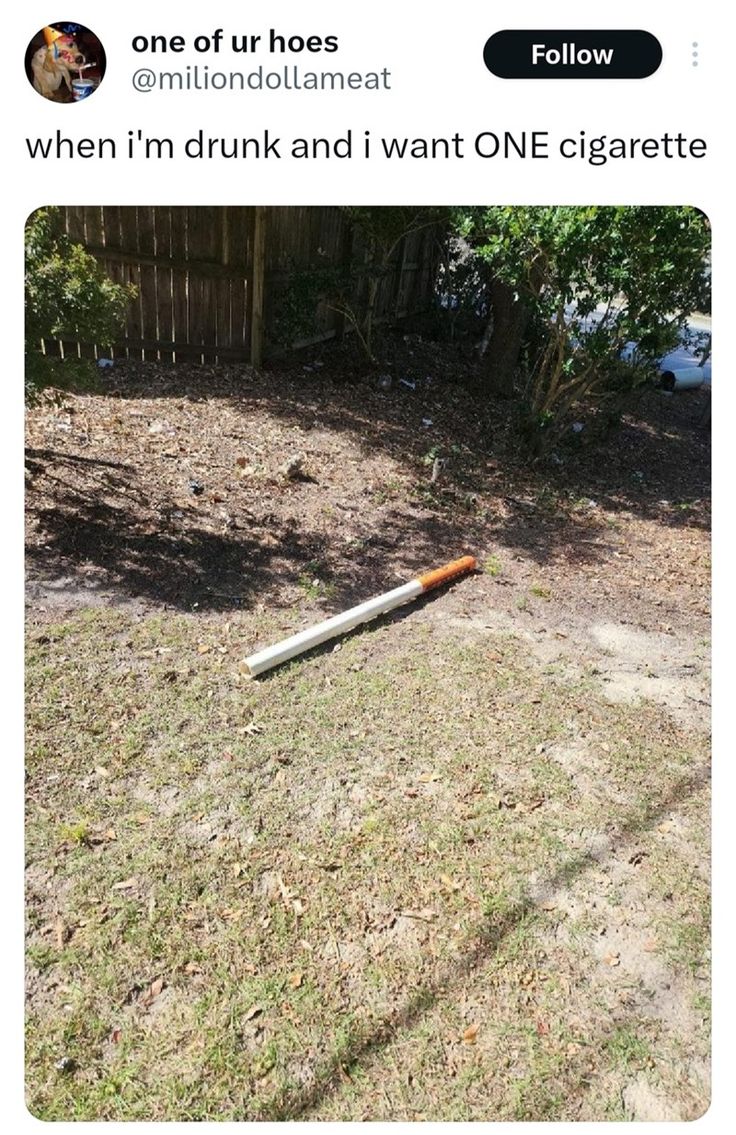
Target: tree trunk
{"points": [[509, 324]]}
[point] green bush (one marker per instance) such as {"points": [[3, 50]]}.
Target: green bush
{"points": [[590, 282], [67, 296]]}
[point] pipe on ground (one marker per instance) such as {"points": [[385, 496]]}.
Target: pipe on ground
{"points": [[339, 624]]}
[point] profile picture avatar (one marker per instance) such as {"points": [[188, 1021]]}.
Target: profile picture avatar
{"points": [[65, 62]]}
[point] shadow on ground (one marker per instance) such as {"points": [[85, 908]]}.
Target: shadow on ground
{"points": [[296, 1105], [100, 518]]}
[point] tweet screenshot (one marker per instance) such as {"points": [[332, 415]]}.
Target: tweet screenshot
{"points": [[358, 590]]}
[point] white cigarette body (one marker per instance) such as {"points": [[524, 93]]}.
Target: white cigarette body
{"points": [[339, 624], [685, 379]]}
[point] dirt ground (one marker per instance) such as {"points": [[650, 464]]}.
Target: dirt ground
{"points": [[455, 867]]}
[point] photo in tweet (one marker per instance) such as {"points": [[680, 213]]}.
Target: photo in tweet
{"points": [[445, 858]]}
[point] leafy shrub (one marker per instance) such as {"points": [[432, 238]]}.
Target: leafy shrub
{"points": [[67, 296], [608, 291]]}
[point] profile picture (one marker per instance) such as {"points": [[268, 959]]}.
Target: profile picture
{"points": [[65, 62]]}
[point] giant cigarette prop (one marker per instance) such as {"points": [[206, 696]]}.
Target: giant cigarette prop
{"points": [[685, 379], [339, 624]]}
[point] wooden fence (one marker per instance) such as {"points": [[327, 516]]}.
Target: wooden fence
{"points": [[209, 278]]}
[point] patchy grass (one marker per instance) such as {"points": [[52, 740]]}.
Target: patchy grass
{"points": [[492, 566], [420, 878], [452, 867], [628, 1050]]}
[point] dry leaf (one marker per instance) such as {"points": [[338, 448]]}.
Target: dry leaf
{"points": [[542, 1028], [448, 883], [470, 1034], [193, 967], [102, 771], [152, 992], [203, 648], [295, 980], [508, 801], [298, 907], [252, 728], [126, 884], [428, 777], [110, 835], [549, 906], [254, 1011], [665, 827], [612, 959], [115, 1035], [424, 915]]}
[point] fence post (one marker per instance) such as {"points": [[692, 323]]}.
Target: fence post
{"points": [[225, 218], [346, 259], [258, 286]]}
